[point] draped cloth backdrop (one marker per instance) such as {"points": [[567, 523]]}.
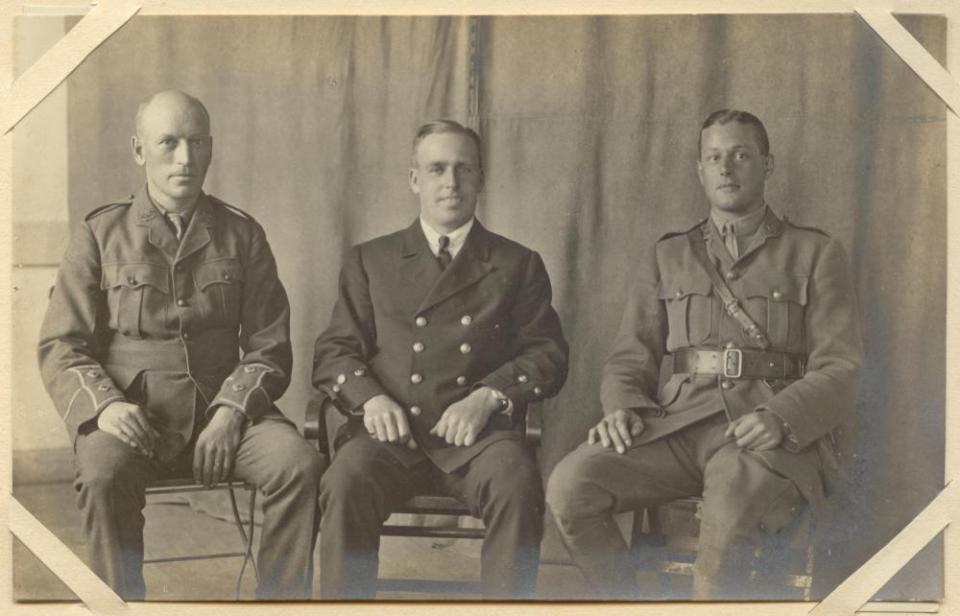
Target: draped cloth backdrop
{"points": [[590, 140]]}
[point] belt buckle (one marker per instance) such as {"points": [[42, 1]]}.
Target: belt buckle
{"points": [[732, 363]]}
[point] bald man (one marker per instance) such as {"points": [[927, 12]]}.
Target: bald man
{"points": [[164, 347]]}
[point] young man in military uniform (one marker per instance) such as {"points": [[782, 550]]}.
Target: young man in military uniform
{"points": [[758, 319], [164, 347], [442, 333]]}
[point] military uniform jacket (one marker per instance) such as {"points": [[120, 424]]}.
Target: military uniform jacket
{"points": [[794, 283], [131, 301], [426, 337]]}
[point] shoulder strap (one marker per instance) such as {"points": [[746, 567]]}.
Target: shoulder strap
{"points": [[730, 301]]}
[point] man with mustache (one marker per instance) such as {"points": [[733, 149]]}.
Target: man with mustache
{"points": [[757, 319], [442, 333], [164, 347]]}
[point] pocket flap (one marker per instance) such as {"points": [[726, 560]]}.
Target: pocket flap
{"points": [[221, 271], [135, 275], [778, 289], [680, 287]]}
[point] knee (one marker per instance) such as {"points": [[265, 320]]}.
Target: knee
{"points": [[103, 472], [571, 493], [344, 484]]}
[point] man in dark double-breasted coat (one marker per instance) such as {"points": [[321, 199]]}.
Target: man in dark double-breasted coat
{"points": [[164, 347], [442, 333], [759, 379]]}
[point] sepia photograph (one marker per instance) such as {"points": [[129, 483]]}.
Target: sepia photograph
{"points": [[524, 308]]}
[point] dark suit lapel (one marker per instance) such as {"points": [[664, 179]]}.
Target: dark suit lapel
{"points": [[197, 234], [159, 232], [419, 269], [471, 264]]}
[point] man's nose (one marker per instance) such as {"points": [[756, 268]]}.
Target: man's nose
{"points": [[183, 155], [450, 177]]}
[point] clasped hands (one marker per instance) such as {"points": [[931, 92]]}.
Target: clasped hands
{"points": [[460, 425], [758, 431], [216, 447]]}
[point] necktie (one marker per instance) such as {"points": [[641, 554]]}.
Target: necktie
{"points": [[177, 221], [443, 255], [730, 240]]}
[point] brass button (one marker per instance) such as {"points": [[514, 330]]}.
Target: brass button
{"points": [[726, 384], [103, 387], [239, 387], [418, 347], [679, 294], [421, 321], [731, 275], [359, 372], [249, 369], [342, 379], [416, 377], [465, 348], [522, 378], [466, 319], [730, 345], [181, 303], [777, 294], [93, 374], [131, 280], [336, 389], [186, 335], [415, 410], [537, 391], [461, 380], [226, 276]]}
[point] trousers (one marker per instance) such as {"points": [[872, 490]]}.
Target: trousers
{"points": [[111, 478], [365, 483], [742, 500]]}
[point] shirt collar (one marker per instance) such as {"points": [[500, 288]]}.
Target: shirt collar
{"points": [[457, 237], [186, 214], [742, 225]]}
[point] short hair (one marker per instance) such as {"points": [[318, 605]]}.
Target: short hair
{"points": [[437, 127], [142, 107], [725, 116]]}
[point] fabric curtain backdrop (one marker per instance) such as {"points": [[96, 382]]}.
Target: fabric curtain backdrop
{"points": [[590, 127]]}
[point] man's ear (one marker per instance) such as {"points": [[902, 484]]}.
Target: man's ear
{"points": [[137, 146], [414, 181], [768, 166], [700, 172]]}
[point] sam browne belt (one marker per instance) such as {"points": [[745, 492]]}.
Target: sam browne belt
{"points": [[740, 363]]}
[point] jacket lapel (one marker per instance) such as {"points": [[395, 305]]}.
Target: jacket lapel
{"points": [[419, 269], [197, 234], [470, 265], [159, 232], [770, 227]]}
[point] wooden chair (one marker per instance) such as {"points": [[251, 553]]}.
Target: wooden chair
{"points": [[182, 485], [664, 542], [315, 428]]}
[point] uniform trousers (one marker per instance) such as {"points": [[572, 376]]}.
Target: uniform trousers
{"points": [[742, 500], [366, 483], [111, 478]]}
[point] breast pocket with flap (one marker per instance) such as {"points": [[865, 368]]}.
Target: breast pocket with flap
{"points": [[137, 294]]}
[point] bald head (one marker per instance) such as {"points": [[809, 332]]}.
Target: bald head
{"points": [[174, 146]]}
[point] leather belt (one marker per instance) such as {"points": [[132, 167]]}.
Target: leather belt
{"points": [[740, 363]]}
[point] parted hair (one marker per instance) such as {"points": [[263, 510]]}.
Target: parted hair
{"points": [[437, 127], [725, 116]]}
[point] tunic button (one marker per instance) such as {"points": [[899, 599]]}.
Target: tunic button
{"points": [[416, 377], [103, 387], [522, 378], [342, 379], [239, 387], [186, 335], [730, 345], [359, 372], [226, 276], [465, 348], [466, 319], [679, 294], [421, 321], [731, 275], [777, 295], [336, 389], [417, 347], [131, 280], [726, 384], [537, 391], [249, 369], [93, 374], [181, 303], [415, 410], [461, 380]]}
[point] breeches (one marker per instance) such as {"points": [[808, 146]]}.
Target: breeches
{"points": [[742, 499], [366, 483], [111, 478]]}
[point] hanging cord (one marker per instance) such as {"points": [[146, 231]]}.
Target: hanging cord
{"points": [[246, 537]]}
